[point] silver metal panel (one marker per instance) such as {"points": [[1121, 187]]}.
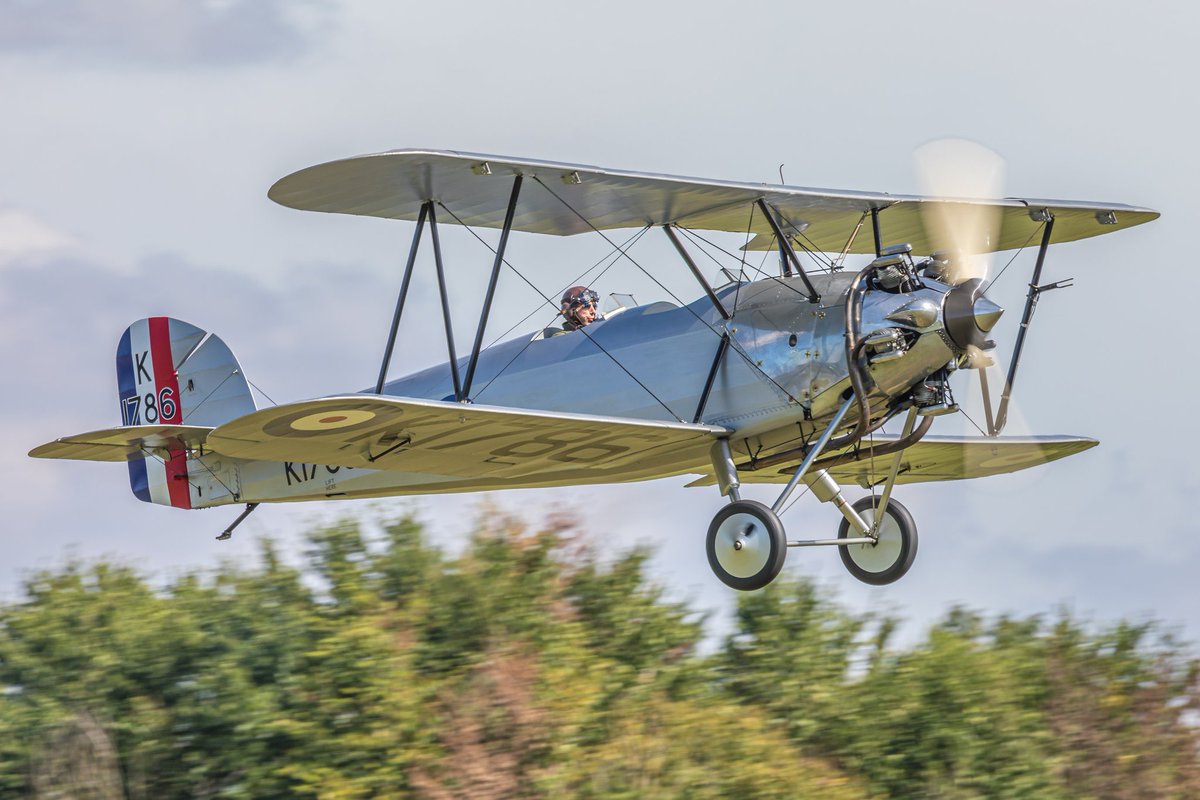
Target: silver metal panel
{"points": [[212, 386], [395, 184], [123, 443]]}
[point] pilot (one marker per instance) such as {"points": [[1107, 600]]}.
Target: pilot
{"points": [[580, 305]]}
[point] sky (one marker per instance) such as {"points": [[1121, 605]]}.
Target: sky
{"points": [[138, 140]]}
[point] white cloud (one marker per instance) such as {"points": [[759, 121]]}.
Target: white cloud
{"points": [[163, 32], [24, 237]]}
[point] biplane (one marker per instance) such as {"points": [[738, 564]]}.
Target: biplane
{"points": [[786, 378]]}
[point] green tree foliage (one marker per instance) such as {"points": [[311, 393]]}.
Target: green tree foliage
{"points": [[1011, 709], [529, 667]]}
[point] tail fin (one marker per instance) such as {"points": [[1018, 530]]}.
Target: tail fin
{"points": [[173, 373]]}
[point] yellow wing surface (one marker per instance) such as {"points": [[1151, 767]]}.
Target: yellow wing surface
{"points": [[504, 446], [464, 441], [939, 458], [123, 443]]}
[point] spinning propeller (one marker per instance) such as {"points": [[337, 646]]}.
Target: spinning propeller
{"points": [[962, 231], [963, 225]]}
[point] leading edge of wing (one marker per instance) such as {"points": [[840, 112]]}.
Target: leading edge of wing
{"points": [[574, 198], [940, 458], [123, 443], [455, 439]]}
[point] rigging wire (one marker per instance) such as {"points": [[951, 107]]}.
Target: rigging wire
{"points": [[630, 258], [736, 346], [697, 237], [778, 279], [148, 453], [535, 338], [260, 391], [232, 493], [214, 391], [815, 253], [611, 254], [584, 331], [631, 240], [968, 416], [1020, 250], [795, 500]]}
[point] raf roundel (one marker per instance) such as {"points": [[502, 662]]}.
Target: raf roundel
{"points": [[328, 421]]}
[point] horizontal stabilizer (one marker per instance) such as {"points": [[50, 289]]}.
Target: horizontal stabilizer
{"points": [[937, 458], [125, 443], [465, 441]]}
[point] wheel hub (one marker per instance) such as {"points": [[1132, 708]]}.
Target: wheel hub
{"points": [[885, 550], [739, 550]]}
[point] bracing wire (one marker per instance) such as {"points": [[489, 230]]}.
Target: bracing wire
{"points": [[260, 391], [623, 251], [214, 391], [736, 347], [973, 424], [151, 454], [584, 331], [631, 240], [1020, 250], [578, 279], [691, 234]]}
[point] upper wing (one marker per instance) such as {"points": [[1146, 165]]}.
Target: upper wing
{"points": [[466, 441], [123, 443], [940, 458], [571, 198]]}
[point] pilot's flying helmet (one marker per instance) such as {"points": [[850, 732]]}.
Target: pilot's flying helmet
{"points": [[575, 300]]}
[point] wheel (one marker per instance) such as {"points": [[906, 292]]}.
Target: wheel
{"points": [[746, 545], [891, 556]]}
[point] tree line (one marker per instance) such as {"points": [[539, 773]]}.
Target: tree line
{"points": [[528, 666]]}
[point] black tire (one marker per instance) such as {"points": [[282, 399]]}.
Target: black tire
{"points": [[866, 561], [764, 545]]}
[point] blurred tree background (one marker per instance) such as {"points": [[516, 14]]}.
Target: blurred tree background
{"points": [[528, 667]]}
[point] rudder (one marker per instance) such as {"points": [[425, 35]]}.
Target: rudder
{"points": [[172, 373]]}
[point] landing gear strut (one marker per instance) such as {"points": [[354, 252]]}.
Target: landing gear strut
{"points": [[746, 543]]}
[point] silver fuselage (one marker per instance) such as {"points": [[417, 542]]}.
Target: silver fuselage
{"points": [[782, 377]]}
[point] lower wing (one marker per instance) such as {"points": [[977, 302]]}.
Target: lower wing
{"points": [[936, 458], [463, 441]]}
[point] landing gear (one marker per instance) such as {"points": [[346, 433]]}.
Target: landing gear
{"points": [[886, 559], [746, 545]]}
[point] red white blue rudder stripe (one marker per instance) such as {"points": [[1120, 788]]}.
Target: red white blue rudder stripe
{"points": [[173, 373]]}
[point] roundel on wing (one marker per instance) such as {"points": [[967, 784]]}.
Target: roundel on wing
{"points": [[326, 421], [331, 420]]}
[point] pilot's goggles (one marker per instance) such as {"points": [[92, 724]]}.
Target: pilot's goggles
{"points": [[588, 298]]}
